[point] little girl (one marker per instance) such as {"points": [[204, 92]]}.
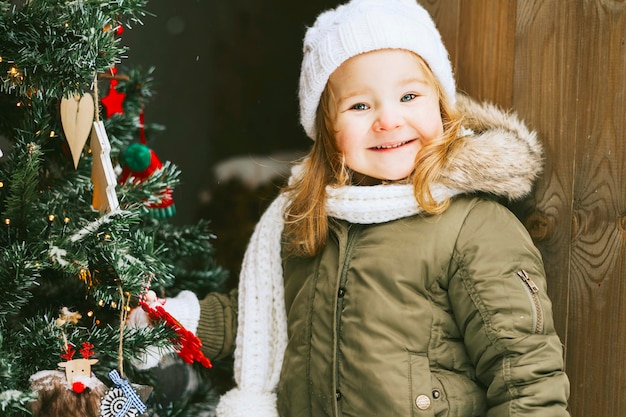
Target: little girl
{"points": [[385, 280]]}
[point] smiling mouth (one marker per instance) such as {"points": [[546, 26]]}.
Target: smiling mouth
{"points": [[394, 146]]}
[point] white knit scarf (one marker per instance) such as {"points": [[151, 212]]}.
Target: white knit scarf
{"points": [[262, 323]]}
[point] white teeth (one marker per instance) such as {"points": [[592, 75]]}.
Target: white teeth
{"points": [[397, 145]]}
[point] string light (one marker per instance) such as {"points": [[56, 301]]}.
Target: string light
{"points": [[113, 304], [90, 313], [101, 303], [31, 91], [7, 222], [15, 75], [49, 227], [66, 221], [85, 275]]}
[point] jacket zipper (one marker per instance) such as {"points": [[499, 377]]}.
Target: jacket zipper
{"points": [[533, 294]]}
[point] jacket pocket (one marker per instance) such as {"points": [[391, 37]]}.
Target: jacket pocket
{"points": [[442, 393], [459, 395]]}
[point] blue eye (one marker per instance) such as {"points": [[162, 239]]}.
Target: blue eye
{"points": [[408, 97], [360, 106]]}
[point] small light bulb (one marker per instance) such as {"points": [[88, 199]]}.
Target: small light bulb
{"points": [[51, 218], [90, 313], [113, 304]]}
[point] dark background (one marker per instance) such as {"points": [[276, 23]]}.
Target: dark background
{"points": [[226, 84]]}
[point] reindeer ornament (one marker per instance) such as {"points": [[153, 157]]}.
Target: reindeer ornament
{"points": [[78, 371], [76, 392]]}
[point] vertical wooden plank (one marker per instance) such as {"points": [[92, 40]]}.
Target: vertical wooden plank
{"points": [[545, 91], [486, 50], [480, 36], [445, 13], [545, 85], [596, 339]]}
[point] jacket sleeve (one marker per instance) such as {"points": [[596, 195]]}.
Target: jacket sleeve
{"points": [[506, 319], [217, 327]]}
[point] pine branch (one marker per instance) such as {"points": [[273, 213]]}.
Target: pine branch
{"points": [[14, 403], [23, 186], [21, 274], [151, 189], [191, 252], [47, 51]]}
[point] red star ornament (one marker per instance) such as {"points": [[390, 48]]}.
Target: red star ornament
{"points": [[113, 101]]}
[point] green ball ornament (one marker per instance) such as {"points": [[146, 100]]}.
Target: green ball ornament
{"points": [[137, 157]]}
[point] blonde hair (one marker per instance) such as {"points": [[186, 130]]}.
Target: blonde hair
{"points": [[306, 223]]}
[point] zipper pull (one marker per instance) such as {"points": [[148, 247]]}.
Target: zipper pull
{"points": [[524, 276]]}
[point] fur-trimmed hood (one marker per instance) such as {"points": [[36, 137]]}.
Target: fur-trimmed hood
{"points": [[501, 157]]}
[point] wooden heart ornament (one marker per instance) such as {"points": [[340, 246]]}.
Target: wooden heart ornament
{"points": [[77, 115]]}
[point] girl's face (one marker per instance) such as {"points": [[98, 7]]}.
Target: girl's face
{"points": [[386, 109]]}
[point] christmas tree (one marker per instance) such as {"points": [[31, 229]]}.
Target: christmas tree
{"points": [[85, 207]]}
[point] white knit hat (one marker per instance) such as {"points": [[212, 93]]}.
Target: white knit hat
{"points": [[361, 26]]}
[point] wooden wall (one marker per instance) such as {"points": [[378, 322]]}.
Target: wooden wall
{"points": [[562, 66]]}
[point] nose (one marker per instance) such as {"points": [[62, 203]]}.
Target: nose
{"points": [[387, 118]]}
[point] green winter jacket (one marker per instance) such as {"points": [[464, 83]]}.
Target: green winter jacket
{"points": [[455, 325]]}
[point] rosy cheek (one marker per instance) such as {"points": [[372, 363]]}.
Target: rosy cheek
{"points": [[340, 141]]}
